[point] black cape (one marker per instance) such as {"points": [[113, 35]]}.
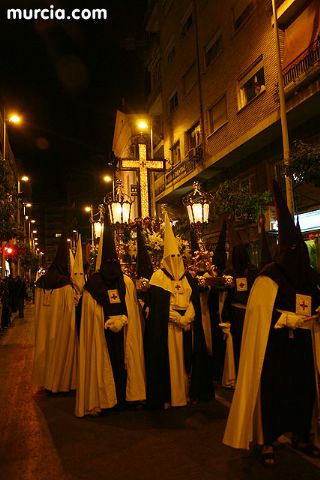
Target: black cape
{"points": [[156, 350]]}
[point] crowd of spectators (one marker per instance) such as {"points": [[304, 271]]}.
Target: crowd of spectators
{"points": [[13, 294]]}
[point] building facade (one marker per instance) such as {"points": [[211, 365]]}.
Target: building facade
{"points": [[214, 90]]}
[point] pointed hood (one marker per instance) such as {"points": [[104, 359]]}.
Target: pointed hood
{"points": [[238, 253], [99, 254], [194, 246], [265, 255], [58, 274], [292, 255], [77, 273], [219, 257], [110, 275], [144, 264], [110, 267], [288, 235], [71, 260], [172, 261]]}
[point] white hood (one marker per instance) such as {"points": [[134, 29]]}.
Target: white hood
{"points": [[77, 273], [172, 261]]}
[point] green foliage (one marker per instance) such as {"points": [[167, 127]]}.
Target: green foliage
{"points": [[305, 163], [236, 202], [8, 204]]}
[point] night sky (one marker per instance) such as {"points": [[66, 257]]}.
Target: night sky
{"points": [[68, 78]]}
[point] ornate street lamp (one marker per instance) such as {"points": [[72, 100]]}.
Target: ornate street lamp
{"points": [[119, 205], [197, 204]]}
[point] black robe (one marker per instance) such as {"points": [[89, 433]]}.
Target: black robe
{"points": [[235, 315], [157, 356], [288, 387]]}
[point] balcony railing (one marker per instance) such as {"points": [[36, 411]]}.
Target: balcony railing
{"points": [[306, 60], [178, 171]]}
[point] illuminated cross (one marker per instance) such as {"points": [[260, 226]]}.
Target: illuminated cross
{"points": [[144, 166], [241, 285], [114, 296]]}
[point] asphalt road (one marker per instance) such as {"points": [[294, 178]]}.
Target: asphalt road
{"points": [[41, 439]]}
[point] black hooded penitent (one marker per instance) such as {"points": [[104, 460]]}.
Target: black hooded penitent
{"points": [[58, 274]]}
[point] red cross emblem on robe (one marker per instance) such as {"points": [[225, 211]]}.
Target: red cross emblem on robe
{"points": [[178, 288], [242, 284], [303, 304], [114, 296]]}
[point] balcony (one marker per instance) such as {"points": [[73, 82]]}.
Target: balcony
{"points": [[178, 171], [303, 65]]}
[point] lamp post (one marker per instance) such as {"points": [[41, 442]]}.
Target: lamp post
{"points": [[283, 115], [90, 209], [13, 118], [197, 204]]}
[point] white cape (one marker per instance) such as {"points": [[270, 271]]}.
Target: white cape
{"points": [[244, 423], [55, 354], [96, 387]]}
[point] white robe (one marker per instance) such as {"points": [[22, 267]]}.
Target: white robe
{"points": [[55, 353], [96, 388], [179, 382], [244, 423]]}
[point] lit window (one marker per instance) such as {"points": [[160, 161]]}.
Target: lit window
{"points": [[190, 78], [218, 114], [213, 49], [175, 153], [242, 11], [251, 84], [194, 137], [173, 103]]}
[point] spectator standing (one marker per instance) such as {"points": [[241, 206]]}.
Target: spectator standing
{"points": [[20, 294]]}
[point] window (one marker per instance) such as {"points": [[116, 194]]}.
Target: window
{"points": [[242, 11], [213, 49], [194, 137], [175, 153], [218, 114], [190, 78], [173, 103], [251, 84]]}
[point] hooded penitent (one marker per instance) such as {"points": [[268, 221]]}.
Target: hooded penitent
{"points": [[58, 274], [144, 264], [77, 274], [172, 262], [265, 255], [219, 257], [292, 257], [239, 255], [109, 278]]}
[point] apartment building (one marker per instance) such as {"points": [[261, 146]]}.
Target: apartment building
{"points": [[214, 90]]}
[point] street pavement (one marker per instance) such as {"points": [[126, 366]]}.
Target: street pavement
{"points": [[41, 439]]}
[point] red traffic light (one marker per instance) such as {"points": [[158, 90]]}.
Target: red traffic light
{"points": [[9, 251]]}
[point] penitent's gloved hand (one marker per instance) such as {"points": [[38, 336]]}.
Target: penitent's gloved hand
{"points": [[188, 317], [225, 327], [116, 322], [289, 320], [174, 316]]}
